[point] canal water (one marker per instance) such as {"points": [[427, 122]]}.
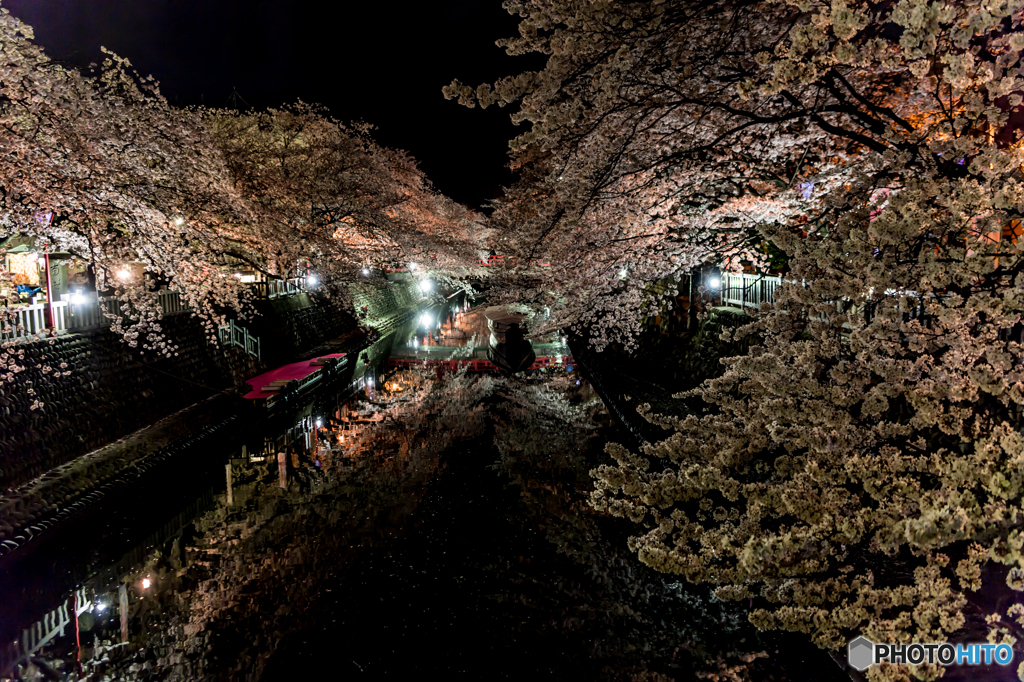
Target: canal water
{"points": [[414, 521]]}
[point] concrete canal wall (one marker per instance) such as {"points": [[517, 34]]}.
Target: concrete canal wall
{"points": [[112, 390]]}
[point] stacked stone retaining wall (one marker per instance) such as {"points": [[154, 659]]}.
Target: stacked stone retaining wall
{"points": [[108, 391], [289, 327]]}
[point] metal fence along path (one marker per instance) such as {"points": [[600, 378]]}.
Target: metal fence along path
{"points": [[87, 311], [233, 335], [749, 291], [81, 312]]}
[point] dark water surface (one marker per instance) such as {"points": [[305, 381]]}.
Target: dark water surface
{"points": [[422, 524]]}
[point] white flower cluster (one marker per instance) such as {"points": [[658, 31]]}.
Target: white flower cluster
{"points": [[193, 195], [857, 469]]}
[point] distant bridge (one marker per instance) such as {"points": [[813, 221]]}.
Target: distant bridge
{"points": [[495, 261]]}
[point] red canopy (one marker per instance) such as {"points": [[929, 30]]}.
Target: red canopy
{"points": [[296, 370]]}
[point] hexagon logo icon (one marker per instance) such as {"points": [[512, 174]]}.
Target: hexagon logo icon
{"points": [[860, 653]]}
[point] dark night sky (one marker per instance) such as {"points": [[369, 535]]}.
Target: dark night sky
{"points": [[384, 63]]}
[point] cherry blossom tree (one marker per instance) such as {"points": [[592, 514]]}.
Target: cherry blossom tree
{"points": [[636, 167], [859, 470], [120, 176], [96, 163], [665, 135], [326, 194]]}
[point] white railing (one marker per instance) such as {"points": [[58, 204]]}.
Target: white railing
{"points": [[749, 291], [171, 302], [233, 335], [30, 320], [274, 288], [86, 312], [43, 631], [111, 306]]}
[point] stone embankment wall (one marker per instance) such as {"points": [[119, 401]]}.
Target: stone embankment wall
{"points": [[289, 327], [113, 390], [46, 502]]}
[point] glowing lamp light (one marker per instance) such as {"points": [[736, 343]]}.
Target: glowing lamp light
{"points": [[311, 280], [623, 272], [146, 583], [77, 298], [369, 382], [179, 221], [366, 272], [715, 282], [319, 423], [426, 285], [426, 320], [124, 274], [101, 607], [412, 266]]}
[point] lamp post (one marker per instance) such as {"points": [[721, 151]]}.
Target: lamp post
{"points": [[715, 286], [49, 292]]}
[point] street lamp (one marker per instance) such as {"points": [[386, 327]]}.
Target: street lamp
{"points": [[311, 280], [366, 272], [426, 285], [715, 282]]}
